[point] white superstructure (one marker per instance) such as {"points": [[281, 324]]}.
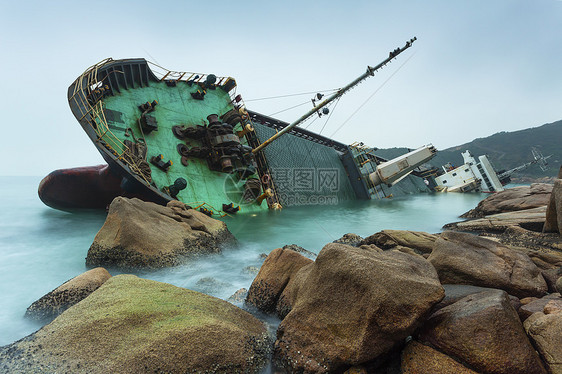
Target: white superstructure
{"points": [[473, 175]]}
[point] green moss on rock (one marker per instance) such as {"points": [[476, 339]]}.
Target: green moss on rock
{"points": [[137, 325]]}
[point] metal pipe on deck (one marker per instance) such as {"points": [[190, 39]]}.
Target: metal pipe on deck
{"points": [[369, 73]]}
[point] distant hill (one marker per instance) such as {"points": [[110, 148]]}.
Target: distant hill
{"points": [[506, 150]]}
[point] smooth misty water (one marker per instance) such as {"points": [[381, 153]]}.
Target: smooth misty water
{"points": [[40, 248]]}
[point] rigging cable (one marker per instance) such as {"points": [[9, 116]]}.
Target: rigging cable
{"points": [[290, 95], [284, 110], [330, 116], [373, 94]]}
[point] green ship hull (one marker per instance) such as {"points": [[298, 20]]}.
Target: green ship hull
{"points": [[138, 114]]}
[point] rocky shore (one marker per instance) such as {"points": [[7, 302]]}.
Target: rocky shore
{"points": [[481, 297]]}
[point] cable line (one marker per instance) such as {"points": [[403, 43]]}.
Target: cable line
{"points": [[284, 110], [373, 94], [290, 95], [330, 116]]}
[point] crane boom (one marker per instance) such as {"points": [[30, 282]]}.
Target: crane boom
{"points": [[369, 73]]}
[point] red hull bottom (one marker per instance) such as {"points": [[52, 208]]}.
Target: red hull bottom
{"points": [[90, 187]]}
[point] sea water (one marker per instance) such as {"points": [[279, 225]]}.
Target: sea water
{"points": [[41, 248]]}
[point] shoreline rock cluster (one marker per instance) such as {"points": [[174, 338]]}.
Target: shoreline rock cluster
{"points": [[394, 302], [451, 298]]}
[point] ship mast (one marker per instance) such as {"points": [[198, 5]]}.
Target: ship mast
{"points": [[369, 73]]}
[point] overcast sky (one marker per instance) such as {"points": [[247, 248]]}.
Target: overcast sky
{"points": [[477, 68]]}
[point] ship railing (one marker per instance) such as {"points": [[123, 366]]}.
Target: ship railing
{"points": [[87, 98], [90, 108]]}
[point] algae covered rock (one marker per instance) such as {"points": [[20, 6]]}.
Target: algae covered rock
{"points": [[134, 325], [66, 295], [138, 234], [353, 305], [461, 258]]}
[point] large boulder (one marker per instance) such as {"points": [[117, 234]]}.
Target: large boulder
{"points": [[553, 221], [134, 325], [512, 199], [462, 258], [418, 358], [483, 331], [421, 242], [351, 306], [138, 234], [546, 333], [554, 208], [49, 306], [273, 277]]}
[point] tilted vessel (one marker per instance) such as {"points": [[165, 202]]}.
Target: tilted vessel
{"points": [[188, 136]]}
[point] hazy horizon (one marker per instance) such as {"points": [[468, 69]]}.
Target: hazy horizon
{"points": [[477, 68]]}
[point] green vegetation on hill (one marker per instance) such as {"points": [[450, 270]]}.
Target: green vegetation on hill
{"points": [[506, 150]]}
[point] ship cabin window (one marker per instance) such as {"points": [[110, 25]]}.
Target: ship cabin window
{"points": [[444, 182], [454, 174], [466, 170]]}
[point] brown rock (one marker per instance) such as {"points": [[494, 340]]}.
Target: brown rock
{"points": [[559, 285], [536, 306], [553, 306], [274, 274], [551, 276], [483, 331], [301, 250], [461, 258], [546, 333], [456, 292], [353, 305], [138, 234], [532, 219], [518, 236], [544, 259], [289, 295], [421, 242], [349, 239], [370, 247], [527, 300], [512, 199], [66, 295], [552, 223], [419, 359]]}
